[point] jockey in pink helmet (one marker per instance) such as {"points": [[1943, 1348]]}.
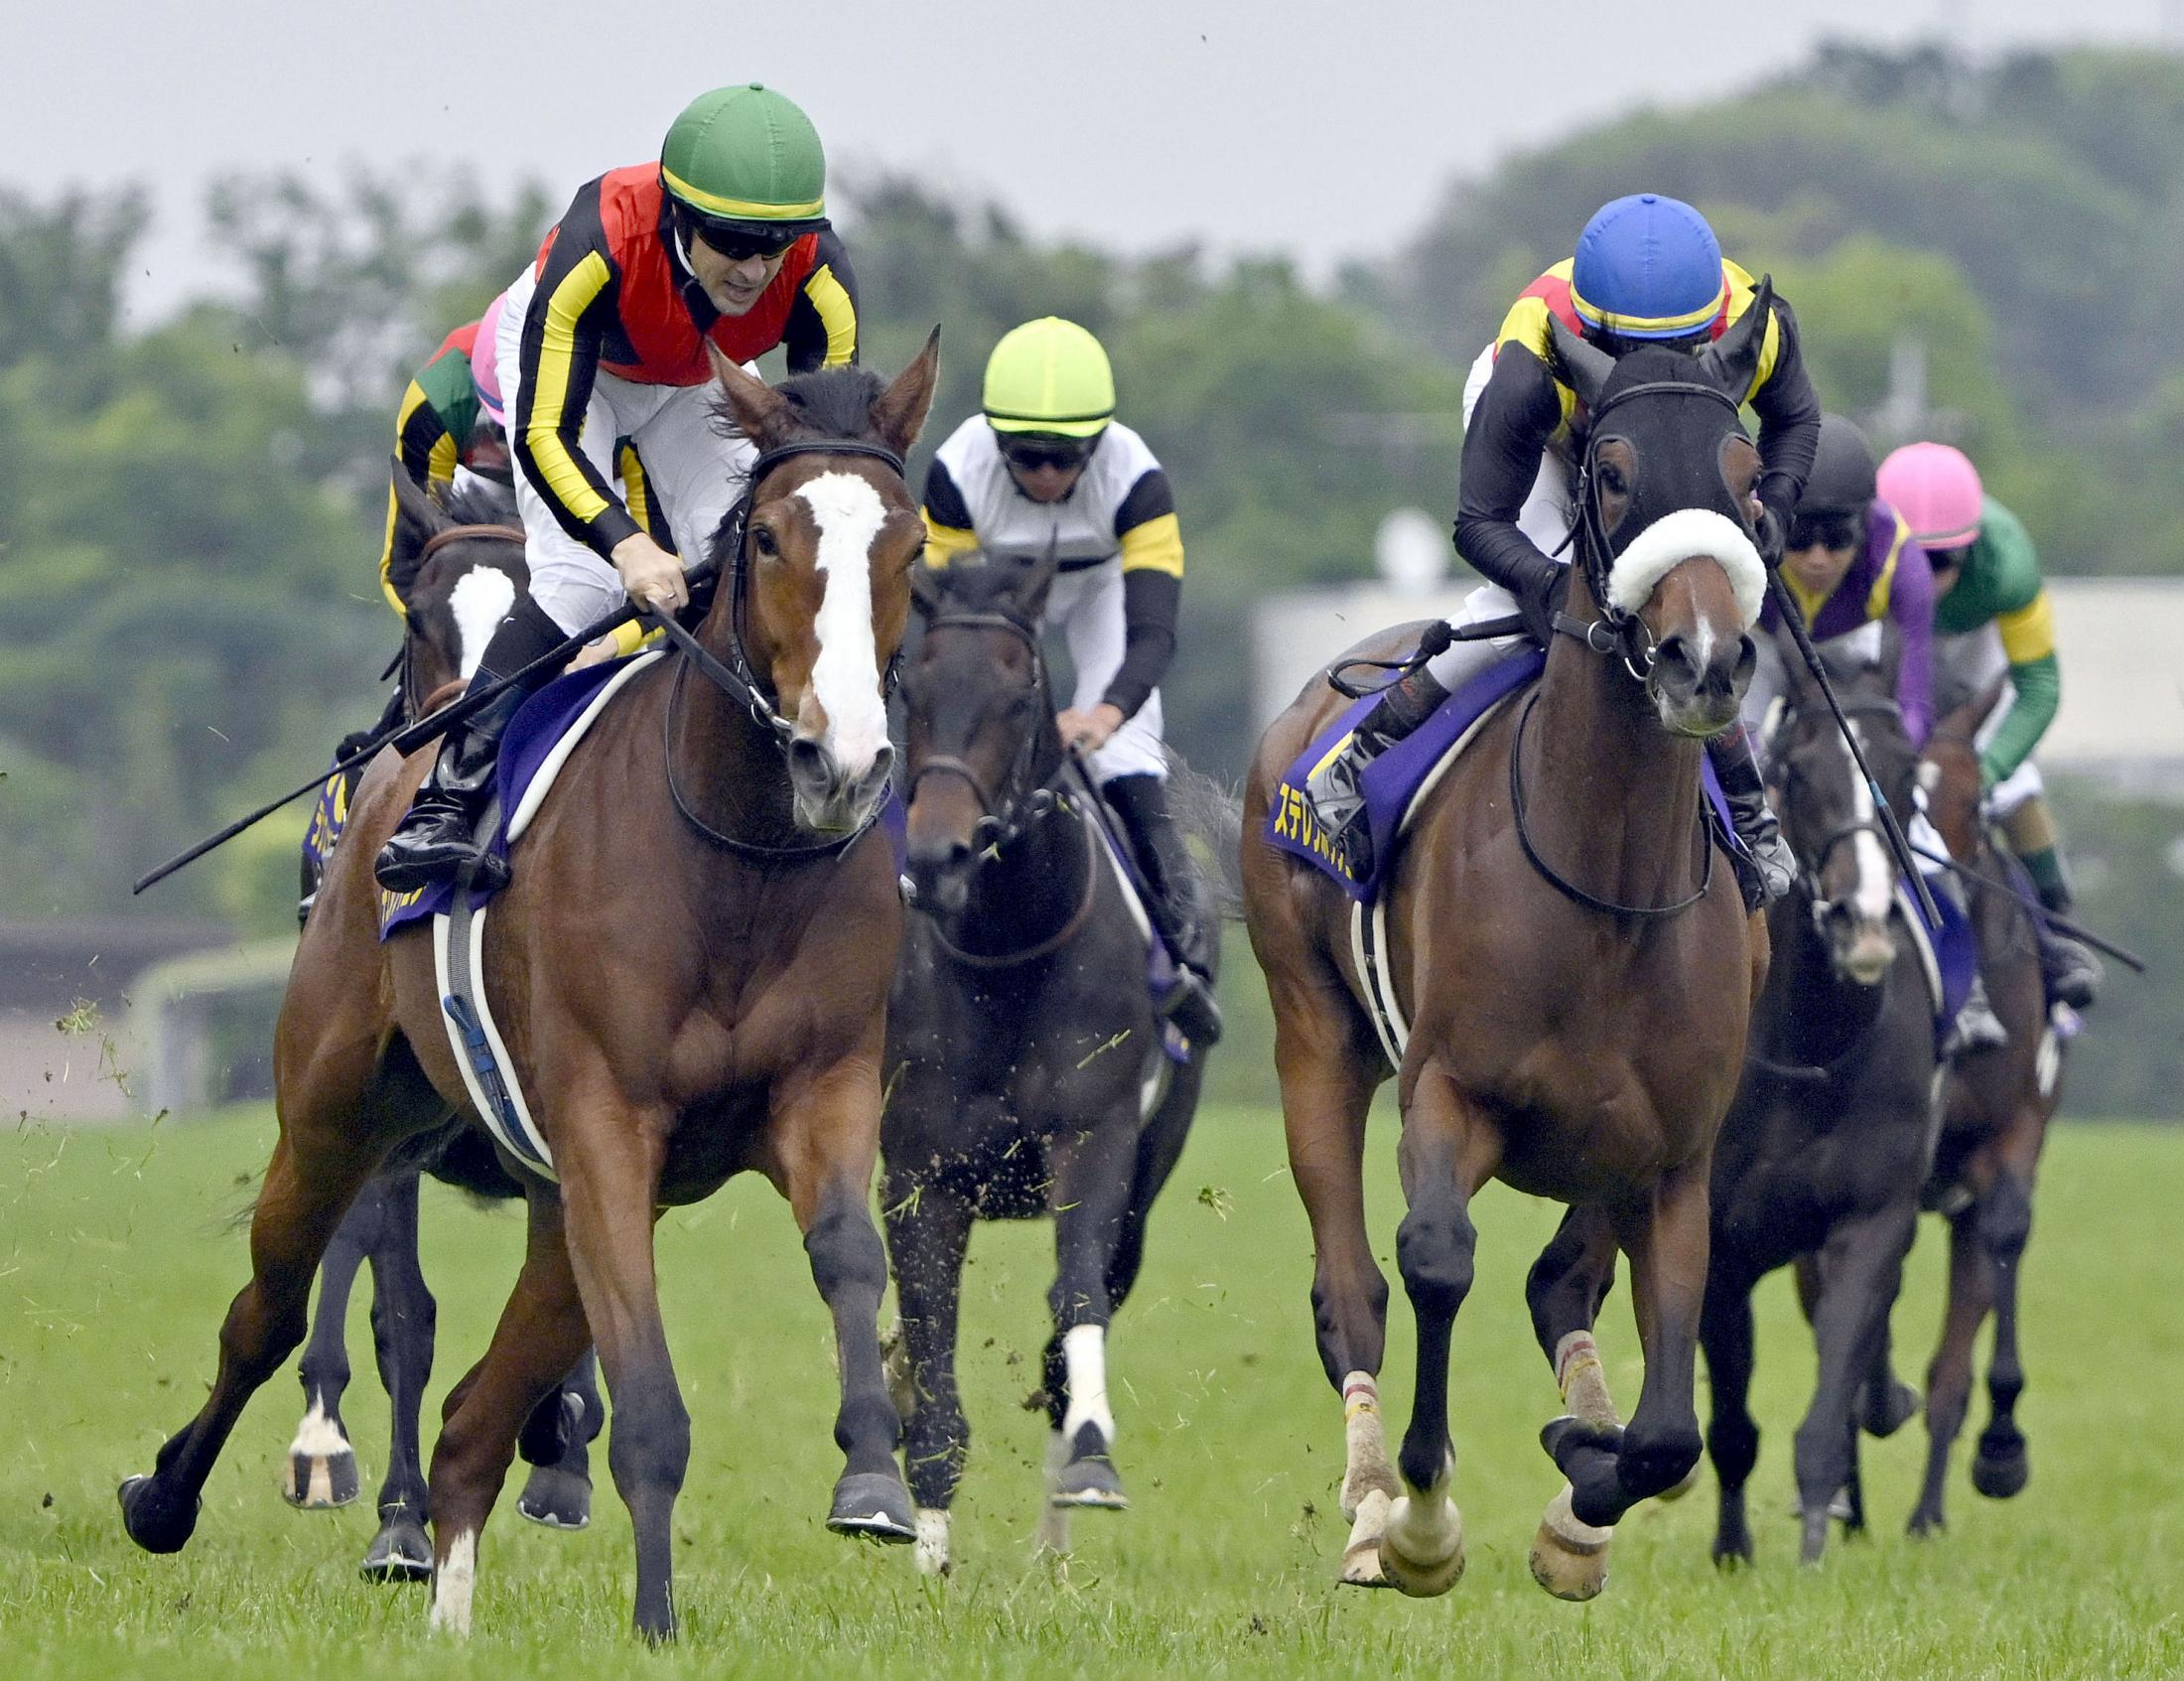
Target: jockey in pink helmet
{"points": [[1992, 613]]}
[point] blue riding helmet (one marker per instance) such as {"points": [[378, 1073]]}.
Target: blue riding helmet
{"points": [[1647, 267]]}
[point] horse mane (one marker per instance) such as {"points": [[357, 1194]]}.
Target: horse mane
{"points": [[480, 502], [834, 402]]}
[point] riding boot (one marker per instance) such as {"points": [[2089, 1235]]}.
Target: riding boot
{"points": [[437, 836], [1336, 790], [1178, 912], [2072, 972], [1773, 865]]}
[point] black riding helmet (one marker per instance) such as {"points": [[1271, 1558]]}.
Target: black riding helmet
{"points": [[1843, 477]]}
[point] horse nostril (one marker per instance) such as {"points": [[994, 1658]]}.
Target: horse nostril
{"points": [[882, 766], [807, 758]]}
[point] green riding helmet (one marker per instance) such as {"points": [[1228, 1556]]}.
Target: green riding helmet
{"points": [[1049, 376], [746, 160]]}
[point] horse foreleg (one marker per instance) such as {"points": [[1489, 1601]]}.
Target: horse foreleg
{"points": [[928, 1230], [1666, 1239], [2003, 1220], [404, 1318], [1090, 1195], [1564, 1290], [315, 1173], [1326, 1089], [1862, 1264], [824, 1144], [541, 1332], [1725, 1332], [321, 1467], [1446, 1152], [1948, 1376]]}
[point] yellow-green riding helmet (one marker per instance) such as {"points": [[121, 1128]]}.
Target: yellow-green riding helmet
{"points": [[1049, 376]]}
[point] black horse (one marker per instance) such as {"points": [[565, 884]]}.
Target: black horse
{"points": [[463, 558], [1028, 1073], [1827, 1143]]}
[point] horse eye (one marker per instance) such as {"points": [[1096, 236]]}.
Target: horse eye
{"points": [[1611, 478], [762, 539]]}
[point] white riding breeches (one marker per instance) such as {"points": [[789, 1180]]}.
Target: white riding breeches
{"points": [[1963, 664], [1086, 605], [696, 474]]}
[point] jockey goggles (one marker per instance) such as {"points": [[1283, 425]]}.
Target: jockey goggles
{"points": [[740, 241], [1824, 528], [1027, 452]]}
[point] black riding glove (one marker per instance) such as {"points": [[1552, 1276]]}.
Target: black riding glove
{"points": [[1777, 501], [1540, 589]]}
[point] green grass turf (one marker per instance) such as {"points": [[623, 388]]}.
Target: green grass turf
{"points": [[115, 1265]]}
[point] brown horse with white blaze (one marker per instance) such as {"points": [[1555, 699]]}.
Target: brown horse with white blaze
{"points": [[690, 970], [1577, 980]]}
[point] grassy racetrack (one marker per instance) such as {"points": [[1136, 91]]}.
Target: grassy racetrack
{"points": [[115, 1265]]}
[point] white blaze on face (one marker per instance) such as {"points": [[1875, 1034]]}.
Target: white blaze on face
{"points": [[849, 515], [1876, 884], [480, 600]]}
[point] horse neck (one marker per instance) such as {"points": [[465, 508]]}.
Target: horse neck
{"points": [[1611, 797], [1025, 892]]}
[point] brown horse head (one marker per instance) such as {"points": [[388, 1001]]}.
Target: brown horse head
{"points": [[824, 576], [1828, 811], [456, 560], [981, 722], [1665, 545], [1949, 772]]}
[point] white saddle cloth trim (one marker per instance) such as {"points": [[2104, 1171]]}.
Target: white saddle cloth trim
{"points": [[532, 1145], [1372, 966]]}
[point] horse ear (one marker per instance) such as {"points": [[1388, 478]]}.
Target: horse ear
{"points": [[1586, 365], [900, 413], [417, 518], [1732, 361], [760, 411]]}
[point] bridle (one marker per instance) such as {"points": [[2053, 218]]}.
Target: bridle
{"points": [[1812, 859], [494, 533], [735, 677], [1020, 800]]}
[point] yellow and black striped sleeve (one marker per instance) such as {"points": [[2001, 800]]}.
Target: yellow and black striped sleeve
{"points": [[427, 451], [948, 530], [563, 332], [1153, 589], [820, 330]]}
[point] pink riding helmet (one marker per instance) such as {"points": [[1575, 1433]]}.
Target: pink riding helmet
{"points": [[1937, 491], [485, 362]]}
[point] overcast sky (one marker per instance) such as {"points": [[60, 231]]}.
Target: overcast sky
{"points": [[1325, 129]]}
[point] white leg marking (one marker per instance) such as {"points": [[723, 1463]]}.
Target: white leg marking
{"points": [[1053, 1532], [318, 1436], [849, 515], [480, 600], [1084, 1350], [452, 1585], [932, 1541]]}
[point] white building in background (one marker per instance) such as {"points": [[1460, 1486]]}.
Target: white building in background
{"points": [[2121, 641]]}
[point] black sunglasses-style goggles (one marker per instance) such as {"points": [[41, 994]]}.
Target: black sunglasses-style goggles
{"points": [[1028, 454], [739, 243], [1826, 528]]}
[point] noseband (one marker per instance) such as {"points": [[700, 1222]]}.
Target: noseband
{"points": [[1020, 804]]}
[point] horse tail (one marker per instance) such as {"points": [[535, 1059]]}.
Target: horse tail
{"points": [[1212, 814]]}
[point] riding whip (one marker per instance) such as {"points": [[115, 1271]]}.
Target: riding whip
{"points": [[2061, 923], [1897, 841]]}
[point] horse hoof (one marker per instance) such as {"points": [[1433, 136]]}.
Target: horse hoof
{"points": [[1734, 1553], [1089, 1481], [1361, 1558], [1422, 1576], [557, 1498], [1691, 1482], [874, 1507], [1924, 1525], [315, 1482], [1999, 1475], [399, 1553], [157, 1525], [1569, 1556]]}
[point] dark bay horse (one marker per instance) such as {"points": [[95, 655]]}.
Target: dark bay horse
{"points": [[464, 557], [1996, 1108], [692, 967], [1027, 1075], [1828, 1141], [1578, 982]]}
